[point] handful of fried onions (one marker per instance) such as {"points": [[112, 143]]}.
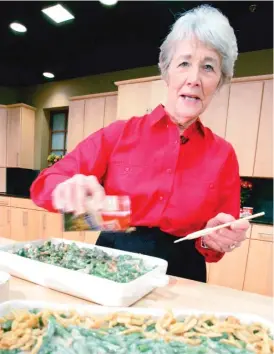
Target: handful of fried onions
{"points": [[28, 328]]}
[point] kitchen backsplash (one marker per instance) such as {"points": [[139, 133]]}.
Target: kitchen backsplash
{"points": [[257, 193]]}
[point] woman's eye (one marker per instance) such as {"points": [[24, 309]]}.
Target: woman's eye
{"points": [[208, 67], [184, 64]]}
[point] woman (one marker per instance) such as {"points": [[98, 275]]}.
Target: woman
{"points": [[180, 176]]}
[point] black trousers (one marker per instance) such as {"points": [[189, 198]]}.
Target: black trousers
{"points": [[183, 259]]}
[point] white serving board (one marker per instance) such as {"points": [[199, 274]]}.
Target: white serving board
{"points": [[155, 313], [89, 287]]}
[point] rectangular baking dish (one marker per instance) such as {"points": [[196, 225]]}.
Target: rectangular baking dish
{"points": [[89, 287]]}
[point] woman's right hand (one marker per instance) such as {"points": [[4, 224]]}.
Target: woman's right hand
{"points": [[78, 194]]}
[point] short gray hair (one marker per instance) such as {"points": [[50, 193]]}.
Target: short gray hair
{"points": [[212, 28]]}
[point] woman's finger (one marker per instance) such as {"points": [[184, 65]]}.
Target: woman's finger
{"points": [[79, 195], [67, 195], [57, 198], [241, 225], [96, 191], [232, 236]]}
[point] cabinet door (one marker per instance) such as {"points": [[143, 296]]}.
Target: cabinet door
{"points": [[158, 94], [13, 137], [230, 270], [18, 224], [3, 136], [133, 99], [27, 138], [215, 116], [52, 225], [262, 232], [3, 179], [75, 123], [264, 153], [110, 110], [4, 221], [243, 122], [91, 236], [78, 236], [32, 220], [94, 115], [259, 270]]}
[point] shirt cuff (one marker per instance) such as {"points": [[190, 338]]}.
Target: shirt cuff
{"points": [[211, 256]]}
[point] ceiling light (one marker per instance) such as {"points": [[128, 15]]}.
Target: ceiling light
{"points": [[58, 13], [48, 75], [108, 2], [18, 27]]}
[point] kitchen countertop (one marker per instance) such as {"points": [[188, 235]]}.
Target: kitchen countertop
{"points": [[180, 293]]}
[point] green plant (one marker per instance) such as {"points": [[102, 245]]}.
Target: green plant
{"points": [[53, 158]]}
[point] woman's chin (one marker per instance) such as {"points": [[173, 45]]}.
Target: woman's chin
{"points": [[190, 111]]}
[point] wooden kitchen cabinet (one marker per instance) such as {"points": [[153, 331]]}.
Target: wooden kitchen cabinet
{"points": [[52, 225], [25, 225], [215, 116], [3, 135], [264, 152], [262, 232], [259, 269], [75, 123], [133, 99], [94, 115], [20, 136], [110, 110], [243, 122], [4, 221], [88, 114], [158, 94], [78, 236], [18, 229], [230, 270], [91, 236]]}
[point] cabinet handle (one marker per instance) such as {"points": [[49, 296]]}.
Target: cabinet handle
{"points": [[268, 235], [44, 221], [8, 216], [25, 218]]}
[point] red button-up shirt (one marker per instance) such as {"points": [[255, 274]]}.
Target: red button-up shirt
{"points": [[176, 187]]}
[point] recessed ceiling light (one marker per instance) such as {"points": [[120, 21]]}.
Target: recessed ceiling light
{"points": [[108, 2], [48, 75], [58, 13], [18, 27]]}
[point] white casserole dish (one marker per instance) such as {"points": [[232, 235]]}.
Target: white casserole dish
{"points": [[155, 313], [89, 287], [4, 286]]}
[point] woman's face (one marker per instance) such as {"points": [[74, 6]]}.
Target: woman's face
{"points": [[193, 77]]}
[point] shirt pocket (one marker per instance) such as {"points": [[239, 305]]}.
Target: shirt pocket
{"points": [[124, 178]]}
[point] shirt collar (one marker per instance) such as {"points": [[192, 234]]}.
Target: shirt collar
{"points": [[159, 113]]}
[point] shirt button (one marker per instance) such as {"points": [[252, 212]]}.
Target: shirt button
{"points": [[211, 186], [168, 170], [126, 169], [176, 142], [161, 197], [167, 125]]}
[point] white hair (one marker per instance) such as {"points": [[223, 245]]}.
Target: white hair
{"points": [[212, 28]]}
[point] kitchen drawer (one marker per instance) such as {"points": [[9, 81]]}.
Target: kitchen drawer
{"points": [[4, 201], [24, 203], [262, 232], [248, 233]]}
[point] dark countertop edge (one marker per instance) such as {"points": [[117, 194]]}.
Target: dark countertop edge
{"points": [[2, 194]]}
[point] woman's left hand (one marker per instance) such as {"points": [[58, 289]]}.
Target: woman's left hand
{"points": [[228, 238]]}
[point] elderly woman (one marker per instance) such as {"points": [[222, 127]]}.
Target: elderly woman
{"points": [[180, 176]]}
